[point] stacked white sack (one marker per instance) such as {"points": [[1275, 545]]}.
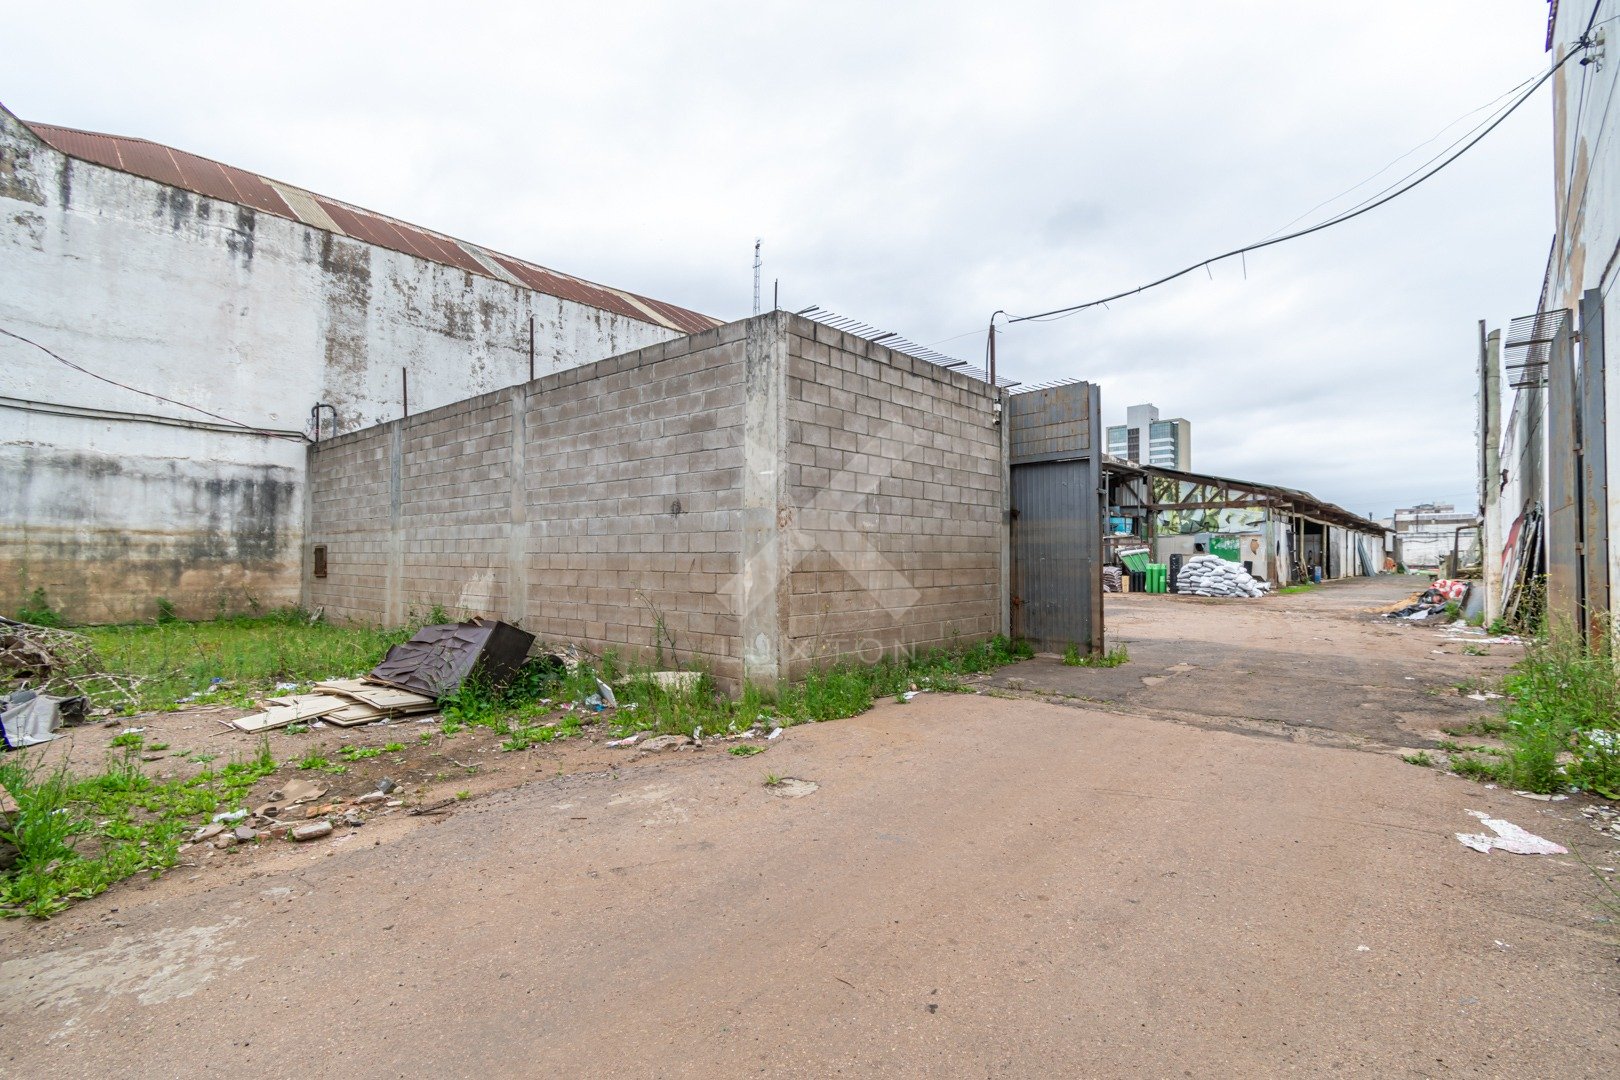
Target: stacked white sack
{"points": [[1211, 575]]}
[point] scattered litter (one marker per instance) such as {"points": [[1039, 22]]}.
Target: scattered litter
{"points": [[371, 797], [1363, 948], [606, 693], [629, 740], [1431, 603], [1540, 797], [909, 694], [774, 733], [231, 816], [1484, 696], [594, 703], [282, 685], [29, 717], [1503, 945], [1509, 837], [297, 790]]}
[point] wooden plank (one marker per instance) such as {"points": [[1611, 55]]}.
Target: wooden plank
{"points": [[282, 715], [354, 714], [391, 699], [345, 686]]}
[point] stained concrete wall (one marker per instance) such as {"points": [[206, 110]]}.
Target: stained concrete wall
{"points": [[1586, 220], [248, 315], [754, 499]]}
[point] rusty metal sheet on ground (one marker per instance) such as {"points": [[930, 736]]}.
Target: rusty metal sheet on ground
{"points": [[438, 659]]}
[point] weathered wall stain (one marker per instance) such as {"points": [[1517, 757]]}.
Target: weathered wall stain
{"points": [[238, 311]]}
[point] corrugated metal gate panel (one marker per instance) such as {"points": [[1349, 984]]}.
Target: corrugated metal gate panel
{"points": [[1563, 518], [1057, 518], [1594, 459]]}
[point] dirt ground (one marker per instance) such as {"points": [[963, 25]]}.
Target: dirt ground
{"points": [[1078, 872]]}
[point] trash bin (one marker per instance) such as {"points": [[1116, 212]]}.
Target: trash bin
{"points": [[1175, 572]]}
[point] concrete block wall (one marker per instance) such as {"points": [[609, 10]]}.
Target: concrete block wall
{"points": [[758, 498], [598, 506], [896, 494]]}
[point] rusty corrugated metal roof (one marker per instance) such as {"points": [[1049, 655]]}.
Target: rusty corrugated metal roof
{"points": [[203, 176]]}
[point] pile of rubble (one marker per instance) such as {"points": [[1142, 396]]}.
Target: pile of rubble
{"points": [[1211, 575], [295, 812], [409, 681], [1431, 602]]}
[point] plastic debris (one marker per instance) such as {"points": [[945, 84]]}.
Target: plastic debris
{"points": [[606, 693], [774, 733], [1509, 837], [231, 815], [909, 694], [1540, 797], [629, 740]]}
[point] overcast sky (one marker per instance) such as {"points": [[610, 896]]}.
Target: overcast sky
{"points": [[920, 166]]}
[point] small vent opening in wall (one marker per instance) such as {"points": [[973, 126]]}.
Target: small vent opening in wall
{"points": [[320, 560]]}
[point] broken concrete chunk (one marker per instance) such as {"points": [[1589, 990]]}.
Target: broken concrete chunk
{"points": [[312, 831], [207, 832], [246, 832], [371, 797], [666, 742]]}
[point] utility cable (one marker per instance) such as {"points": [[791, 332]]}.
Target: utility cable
{"points": [[1337, 219], [135, 390]]}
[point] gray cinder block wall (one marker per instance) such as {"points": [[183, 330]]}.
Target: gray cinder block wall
{"points": [[758, 498]]}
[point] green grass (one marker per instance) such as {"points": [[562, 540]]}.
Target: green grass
{"points": [[1563, 717], [1289, 590], [825, 693], [1420, 758], [746, 750], [75, 836], [179, 659], [1112, 658]]}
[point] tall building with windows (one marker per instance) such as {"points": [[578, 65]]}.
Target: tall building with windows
{"points": [[1147, 440]]}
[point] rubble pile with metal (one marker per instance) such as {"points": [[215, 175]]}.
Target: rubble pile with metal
{"points": [[1432, 602], [1211, 575], [409, 681]]}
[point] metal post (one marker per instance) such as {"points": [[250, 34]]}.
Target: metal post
{"points": [[531, 348], [1490, 464], [405, 390]]}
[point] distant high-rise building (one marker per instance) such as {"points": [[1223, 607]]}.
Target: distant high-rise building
{"points": [[1147, 440]]}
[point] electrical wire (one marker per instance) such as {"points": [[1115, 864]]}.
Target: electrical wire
{"points": [[134, 390], [1491, 104], [1401, 188]]}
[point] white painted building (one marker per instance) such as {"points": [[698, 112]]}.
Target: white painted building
{"points": [[244, 302]]}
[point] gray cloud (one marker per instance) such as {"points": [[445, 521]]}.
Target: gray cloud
{"points": [[921, 166]]}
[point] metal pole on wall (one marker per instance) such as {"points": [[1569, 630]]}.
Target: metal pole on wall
{"points": [[405, 390], [531, 348]]}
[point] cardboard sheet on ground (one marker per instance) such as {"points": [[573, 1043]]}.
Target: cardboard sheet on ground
{"points": [[1509, 837]]}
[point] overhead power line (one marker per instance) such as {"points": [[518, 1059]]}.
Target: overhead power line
{"points": [[1388, 195], [59, 358]]}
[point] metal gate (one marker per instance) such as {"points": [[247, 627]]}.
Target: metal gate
{"points": [[1057, 515]]}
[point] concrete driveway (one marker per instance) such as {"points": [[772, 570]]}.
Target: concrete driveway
{"points": [[978, 886]]}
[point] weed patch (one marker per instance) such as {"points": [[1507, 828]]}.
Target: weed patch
{"points": [[1420, 758], [1110, 659], [73, 837], [225, 661], [1562, 725]]}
